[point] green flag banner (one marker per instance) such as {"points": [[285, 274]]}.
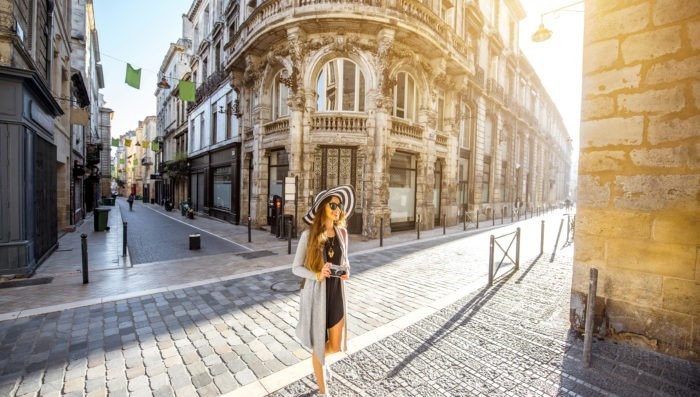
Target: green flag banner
{"points": [[155, 146], [136, 162], [115, 141], [121, 161], [133, 76], [186, 89]]}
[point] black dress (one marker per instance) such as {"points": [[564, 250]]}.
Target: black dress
{"points": [[335, 310]]}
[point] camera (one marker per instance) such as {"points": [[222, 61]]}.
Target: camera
{"points": [[338, 271]]}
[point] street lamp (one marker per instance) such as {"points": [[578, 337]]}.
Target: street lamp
{"points": [[543, 33]]}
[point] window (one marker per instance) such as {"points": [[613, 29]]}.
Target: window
{"points": [[202, 136], [488, 136], [279, 167], [405, 97], [222, 187], [486, 179], [340, 87], [463, 183], [465, 128], [441, 113], [280, 93], [437, 191], [214, 122], [402, 188], [504, 167]]}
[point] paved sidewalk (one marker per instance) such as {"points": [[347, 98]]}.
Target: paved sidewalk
{"points": [[420, 323]]}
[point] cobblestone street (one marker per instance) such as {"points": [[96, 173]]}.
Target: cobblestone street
{"points": [[421, 323], [513, 340]]}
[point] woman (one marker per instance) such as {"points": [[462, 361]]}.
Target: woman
{"points": [[322, 326]]}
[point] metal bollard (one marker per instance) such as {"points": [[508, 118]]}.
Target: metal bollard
{"points": [[477, 219], [557, 242], [512, 211], [542, 239], [590, 317], [491, 246], [568, 226], [517, 249], [83, 245], [250, 237], [289, 238], [381, 231], [418, 228], [493, 217], [464, 216], [123, 239], [503, 213], [444, 221]]}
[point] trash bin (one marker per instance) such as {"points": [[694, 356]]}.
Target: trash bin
{"points": [[107, 201], [194, 241], [101, 217], [287, 224]]}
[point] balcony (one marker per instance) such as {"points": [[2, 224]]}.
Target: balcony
{"points": [[279, 126], [339, 122], [277, 13], [402, 128], [207, 88]]}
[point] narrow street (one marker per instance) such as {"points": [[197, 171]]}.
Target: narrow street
{"points": [[154, 237]]}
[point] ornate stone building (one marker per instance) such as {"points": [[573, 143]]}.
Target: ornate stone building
{"points": [[428, 108], [639, 179]]}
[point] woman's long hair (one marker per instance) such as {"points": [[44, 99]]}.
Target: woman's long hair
{"points": [[318, 237]]}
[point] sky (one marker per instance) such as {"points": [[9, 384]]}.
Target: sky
{"points": [[140, 31]]}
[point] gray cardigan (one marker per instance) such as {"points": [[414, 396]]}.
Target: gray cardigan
{"points": [[311, 329]]}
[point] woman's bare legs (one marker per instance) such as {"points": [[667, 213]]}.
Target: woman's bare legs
{"points": [[335, 337], [318, 371]]}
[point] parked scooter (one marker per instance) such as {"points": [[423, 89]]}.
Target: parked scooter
{"points": [[189, 211]]}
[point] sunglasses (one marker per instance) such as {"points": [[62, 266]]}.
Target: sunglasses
{"points": [[335, 206]]}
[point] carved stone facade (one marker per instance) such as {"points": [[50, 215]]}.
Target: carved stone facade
{"points": [[391, 97]]}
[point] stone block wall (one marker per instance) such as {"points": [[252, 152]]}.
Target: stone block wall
{"points": [[638, 218]]}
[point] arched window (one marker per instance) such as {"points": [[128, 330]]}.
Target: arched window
{"points": [[280, 93], [340, 87], [405, 97]]}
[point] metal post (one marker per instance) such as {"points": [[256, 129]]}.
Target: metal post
{"points": [[250, 237], [464, 216], [491, 245], [418, 228], [477, 219], [590, 316], [444, 221], [493, 217], [83, 245], [289, 238], [568, 226], [512, 211], [542, 239], [123, 239], [381, 231], [561, 224], [517, 249], [503, 213]]}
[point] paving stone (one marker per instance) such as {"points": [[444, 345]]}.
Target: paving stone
{"points": [[139, 383]]}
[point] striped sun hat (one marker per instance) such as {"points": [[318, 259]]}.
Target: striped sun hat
{"points": [[345, 193]]}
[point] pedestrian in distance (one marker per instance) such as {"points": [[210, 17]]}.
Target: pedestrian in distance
{"points": [[322, 261], [131, 201]]}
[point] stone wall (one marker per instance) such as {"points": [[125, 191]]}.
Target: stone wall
{"points": [[639, 173]]}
